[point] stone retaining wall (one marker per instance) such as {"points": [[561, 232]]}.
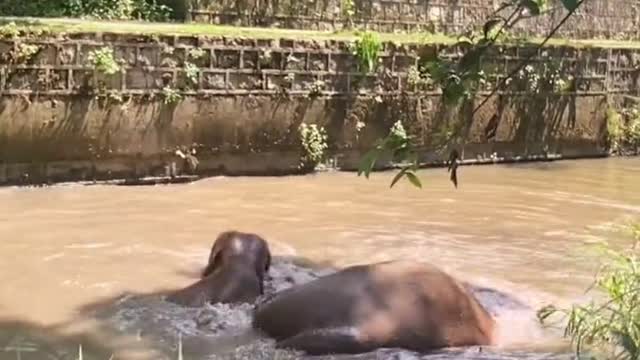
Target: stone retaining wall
{"points": [[239, 103], [618, 19]]}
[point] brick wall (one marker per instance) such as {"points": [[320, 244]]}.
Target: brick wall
{"points": [[597, 19], [249, 96]]}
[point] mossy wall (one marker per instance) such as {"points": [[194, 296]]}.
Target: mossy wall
{"points": [[239, 102]]}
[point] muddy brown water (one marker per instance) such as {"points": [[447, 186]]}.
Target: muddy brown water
{"points": [[83, 265]]}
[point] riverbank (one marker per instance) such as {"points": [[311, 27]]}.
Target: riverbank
{"points": [[79, 102], [79, 26], [381, 168]]}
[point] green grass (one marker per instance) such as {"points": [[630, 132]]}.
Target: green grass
{"points": [[609, 325], [65, 25]]}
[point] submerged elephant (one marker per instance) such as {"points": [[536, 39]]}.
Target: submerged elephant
{"points": [[407, 305], [234, 274], [233, 245]]}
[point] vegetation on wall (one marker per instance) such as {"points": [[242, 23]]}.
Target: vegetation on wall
{"points": [[9, 31], [20, 54], [192, 73], [366, 49], [103, 61], [170, 95], [314, 144], [623, 130], [348, 10], [459, 79]]}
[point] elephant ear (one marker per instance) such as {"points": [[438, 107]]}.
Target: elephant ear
{"points": [[214, 258]]}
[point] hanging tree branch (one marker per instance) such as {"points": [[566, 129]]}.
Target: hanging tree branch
{"points": [[529, 57], [459, 80]]}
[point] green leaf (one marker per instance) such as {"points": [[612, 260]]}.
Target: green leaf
{"points": [[398, 176], [453, 92], [490, 25], [471, 59], [367, 162], [546, 311], [414, 179], [534, 7], [571, 5], [437, 70], [464, 41]]}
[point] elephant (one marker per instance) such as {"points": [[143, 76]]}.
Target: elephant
{"points": [[234, 273], [395, 304], [231, 245]]}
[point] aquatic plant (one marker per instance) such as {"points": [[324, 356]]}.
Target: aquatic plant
{"points": [[611, 326]]}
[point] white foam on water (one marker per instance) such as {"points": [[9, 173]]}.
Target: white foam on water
{"points": [[89, 246], [224, 332], [53, 257]]}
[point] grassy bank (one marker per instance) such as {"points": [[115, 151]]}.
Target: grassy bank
{"points": [[65, 25]]}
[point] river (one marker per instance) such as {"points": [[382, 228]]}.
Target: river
{"points": [[81, 264]]}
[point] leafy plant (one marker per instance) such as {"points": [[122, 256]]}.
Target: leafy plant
{"points": [[265, 57], [348, 8], [103, 61], [196, 53], [316, 88], [397, 143], [366, 49], [9, 31], [97, 9], [417, 78], [633, 127], [612, 325], [623, 129], [615, 129], [150, 11], [192, 72], [314, 144], [25, 52], [460, 79], [170, 95]]}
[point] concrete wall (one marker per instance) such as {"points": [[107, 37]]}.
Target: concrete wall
{"points": [[618, 19], [61, 120]]}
